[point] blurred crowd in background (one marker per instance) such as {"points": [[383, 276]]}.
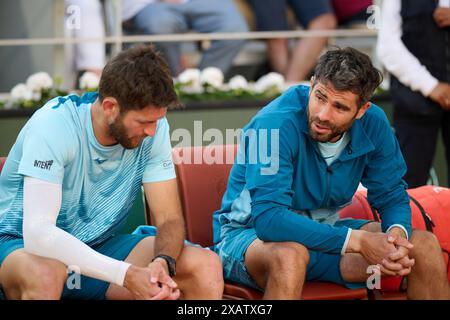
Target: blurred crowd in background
{"points": [[413, 46], [293, 59]]}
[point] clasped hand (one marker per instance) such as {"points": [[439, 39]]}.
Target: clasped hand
{"points": [[390, 252]]}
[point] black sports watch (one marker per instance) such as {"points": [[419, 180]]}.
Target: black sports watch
{"points": [[171, 263]]}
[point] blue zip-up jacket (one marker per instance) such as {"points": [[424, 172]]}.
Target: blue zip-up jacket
{"points": [[267, 195]]}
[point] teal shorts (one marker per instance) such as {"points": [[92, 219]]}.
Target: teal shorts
{"points": [[117, 247], [321, 267]]}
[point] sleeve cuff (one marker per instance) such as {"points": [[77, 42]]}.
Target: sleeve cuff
{"points": [[121, 272], [27, 171], [347, 239], [429, 83], [160, 178], [399, 226]]}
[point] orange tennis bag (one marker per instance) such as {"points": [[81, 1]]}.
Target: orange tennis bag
{"points": [[430, 210]]}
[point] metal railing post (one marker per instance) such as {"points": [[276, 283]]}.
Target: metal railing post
{"points": [[58, 31]]}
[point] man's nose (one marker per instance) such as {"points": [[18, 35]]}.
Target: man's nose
{"points": [[150, 130], [325, 113]]}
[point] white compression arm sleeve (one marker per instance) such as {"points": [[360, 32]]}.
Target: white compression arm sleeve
{"points": [[41, 205]]}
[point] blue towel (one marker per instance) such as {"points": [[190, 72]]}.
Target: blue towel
{"points": [[152, 231], [149, 230]]}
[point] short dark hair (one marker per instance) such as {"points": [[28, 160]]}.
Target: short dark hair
{"points": [[348, 69], [136, 78]]}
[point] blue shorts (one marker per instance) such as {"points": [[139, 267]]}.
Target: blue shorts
{"points": [[271, 14], [321, 267], [117, 247]]}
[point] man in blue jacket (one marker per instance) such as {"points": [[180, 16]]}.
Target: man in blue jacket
{"points": [[300, 161]]}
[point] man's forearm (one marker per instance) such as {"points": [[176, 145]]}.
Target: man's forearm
{"points": [[46, 240], [170, 238], [279, 224], [356, 241], [42, 202]]}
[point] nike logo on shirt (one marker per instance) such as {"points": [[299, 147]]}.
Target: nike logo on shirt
{"points": [[100, 161]]}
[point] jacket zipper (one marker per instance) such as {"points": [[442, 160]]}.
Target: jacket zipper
{"points": [[330, 169], [327, 196], [316, 149], [330, 172]]}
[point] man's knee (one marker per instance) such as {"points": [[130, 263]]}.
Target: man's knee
{"points": [[425, 244], [46, 282], [204, 267], [228, 17], [43, 281], [288, 255]]}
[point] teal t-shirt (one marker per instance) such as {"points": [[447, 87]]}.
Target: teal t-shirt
{"points": [[332, 150], [99, 183]]}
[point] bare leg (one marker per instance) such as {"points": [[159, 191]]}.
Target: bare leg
{"points": [[279, 267], [428, 277], [278, 54], [305, 54], [199, 272], [28, 277]]}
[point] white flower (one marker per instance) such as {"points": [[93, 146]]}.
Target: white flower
{"points": [[212, 76], [238, 83], [89, 80], [36, 96], [270, 81], [39, 81], [21, 92], [190, 80], [190, 77]]}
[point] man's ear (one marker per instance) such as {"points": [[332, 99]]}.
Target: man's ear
{"points": [[363, 110], [110, 107], [311, 82]]}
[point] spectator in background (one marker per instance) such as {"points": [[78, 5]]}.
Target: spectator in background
{"points": [[312, 15], [413, 45], [87, 56], [179, 16]]}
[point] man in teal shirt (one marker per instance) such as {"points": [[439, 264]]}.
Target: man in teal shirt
{"points": [[279, 222], [70, 181]]}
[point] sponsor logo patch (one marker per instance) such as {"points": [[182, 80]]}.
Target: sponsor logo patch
{"points": [[46, 165]]}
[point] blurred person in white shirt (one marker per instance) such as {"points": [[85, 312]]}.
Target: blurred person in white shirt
{"points": [[414, 46]]}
